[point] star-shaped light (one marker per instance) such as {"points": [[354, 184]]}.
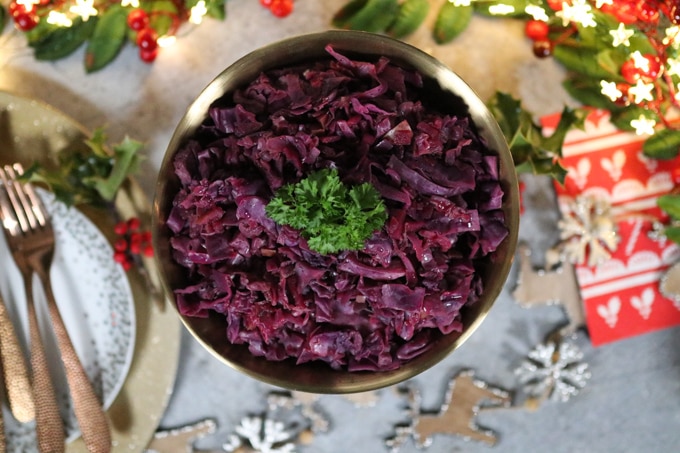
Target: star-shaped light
{"points": [[672, 34], [58, 19], [643, 125], [28, 4], [642, 91], [133, 3], [673, 67], [621, 36], [84, 9], [579, 11], [501, 9], [197, 12], [640, 61], [610, 90], [537, 13]]}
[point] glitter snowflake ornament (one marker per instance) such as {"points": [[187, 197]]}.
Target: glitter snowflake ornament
{"points": [[588, 230], [553, 371], [261, 435]]}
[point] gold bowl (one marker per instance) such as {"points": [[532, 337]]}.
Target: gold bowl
{"points": [[319, 377]]}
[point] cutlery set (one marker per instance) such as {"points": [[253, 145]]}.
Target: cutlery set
{"points": [[31, 240]]}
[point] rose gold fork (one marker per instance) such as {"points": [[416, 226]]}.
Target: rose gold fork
{"points": [[33, 246]]}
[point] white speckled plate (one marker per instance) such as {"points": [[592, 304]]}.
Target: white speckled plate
{"points": [[136, 400], [96, 303]]}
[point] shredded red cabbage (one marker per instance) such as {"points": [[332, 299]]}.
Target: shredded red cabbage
{"points": [[372, 309]]}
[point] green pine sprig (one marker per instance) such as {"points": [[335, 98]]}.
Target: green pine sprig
{"points": [[330, 215]]}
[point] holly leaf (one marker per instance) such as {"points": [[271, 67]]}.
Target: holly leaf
{"points": [[670, 204], [161, 16], [587, 92], [411, 15], [108, 38], [672, 233], [582, 60], [622, 118], [216, 9], [89, 175], [367, 15], [664, 144], [533, 151], [451, 21], [53, 43], [126, 161]]}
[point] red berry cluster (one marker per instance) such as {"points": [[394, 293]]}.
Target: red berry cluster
{"points": [[25, 18], [147, 38], [279, 8], [131, 242]]}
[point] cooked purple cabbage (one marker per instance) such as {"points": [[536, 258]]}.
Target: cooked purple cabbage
{"points": [[372, 309]]}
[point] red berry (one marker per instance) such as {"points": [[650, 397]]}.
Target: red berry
{"points": [[674, 13], [133, 223], [148, 250], [127, 265], [281, 8], [147, 39], [148, 56], [120, 245], [120, 257], [121, 228], [146, 236], [654, 67], [624, 100], [623, 10], [536, 30], [632, 73], [15, 8], [543, 48], [266, 3], [555, 5], [25, 20], [647, 13], [138, 19], [629, 71]]}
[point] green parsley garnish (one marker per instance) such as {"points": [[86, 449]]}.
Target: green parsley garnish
{"points": [[331, 216]]}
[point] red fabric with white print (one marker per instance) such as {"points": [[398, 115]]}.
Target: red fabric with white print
{"points": [[621, 296]]}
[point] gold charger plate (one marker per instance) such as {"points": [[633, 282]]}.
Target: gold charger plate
{"points": [[31, 130]]}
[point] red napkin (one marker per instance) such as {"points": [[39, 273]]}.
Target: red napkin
{"points": [[621, 295]]}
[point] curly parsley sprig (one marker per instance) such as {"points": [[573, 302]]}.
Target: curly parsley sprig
{"points": [[330, 215]]}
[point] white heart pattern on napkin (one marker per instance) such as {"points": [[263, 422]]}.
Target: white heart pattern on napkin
{"points": [[643, 304], [610, 312], [614, 166]]}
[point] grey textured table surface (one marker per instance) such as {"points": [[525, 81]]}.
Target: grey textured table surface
{"points": [[632, 401]]}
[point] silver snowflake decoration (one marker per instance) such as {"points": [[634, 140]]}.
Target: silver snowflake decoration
{"points": [[553, 371], [588, 229], [261, 435]]}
